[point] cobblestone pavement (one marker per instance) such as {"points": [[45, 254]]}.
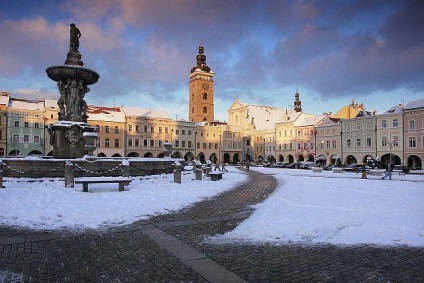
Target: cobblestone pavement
{"points": [[140, 253]]}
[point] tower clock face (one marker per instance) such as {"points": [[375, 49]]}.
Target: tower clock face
{"points": [[205, 86]]}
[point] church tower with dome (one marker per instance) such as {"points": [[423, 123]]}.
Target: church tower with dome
{"points": [[201, 101]]}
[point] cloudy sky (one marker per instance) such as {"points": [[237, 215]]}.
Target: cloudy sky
{"points": [[260, 51]]}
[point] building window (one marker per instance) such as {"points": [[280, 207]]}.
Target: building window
{"points": [[129, 128], [384, 141], [358, 142], [26, 124], [177, 132], [26, 138], [298, 133], [98, 128], [368, 126], [205, 96], [205, 109], [130, 142], [36, 115], [177, 143], [395, 122], [15, 138], [16, 115], [152, 143], [412, 124], [107, 142], [145, 129], [189, 144], [16, 124], [166, 130], [383, 123], [36, 125], [369, 142], [358, 126], [395, 141], [136, 142], [116, 129], [204, 145], [183, 144], [137, 128], [348, 142], [160, 143], [183, 132], [145, 142], [198, 145], [327, 144], [334, 144], [36, 139], [160, 130], [189, 132], [210, 145], [412, 142], [107, 129]]}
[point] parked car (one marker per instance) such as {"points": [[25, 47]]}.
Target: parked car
{"points": [[400, 168], [306, 165], [354, 167], [328, 167]]}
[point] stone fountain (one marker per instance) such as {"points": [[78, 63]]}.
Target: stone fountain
{"points": [[67, 135]]}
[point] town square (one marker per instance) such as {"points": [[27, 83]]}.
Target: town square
{"points": [[225, 141]]}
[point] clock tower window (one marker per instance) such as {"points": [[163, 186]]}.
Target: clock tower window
{"points": [[205, 96], [205, 110]]}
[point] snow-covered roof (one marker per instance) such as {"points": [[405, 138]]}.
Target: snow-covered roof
{"points": [[308, 120], [264, 117], [414, 104], [289, 117], [329, 121], [26, 104], [100, 113], [142, 112], [50, 104], [4, 98], [395, 109]]}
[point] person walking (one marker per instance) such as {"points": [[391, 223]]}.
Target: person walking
{"points": [[223, 167], [247, 164], [216, 165], [364, 172], [388, 172]]}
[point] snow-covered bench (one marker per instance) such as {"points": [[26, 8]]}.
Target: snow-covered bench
{"points": [[337, 170], [215, 176], [122, 181], [376, 172]]}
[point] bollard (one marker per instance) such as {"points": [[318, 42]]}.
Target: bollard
{"points": [[198, 173], [69, 175], [208, 170], [1, 176], [125, 168], [177, 173]]}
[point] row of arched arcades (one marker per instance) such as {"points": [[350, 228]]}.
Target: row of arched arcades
{"points": [[189, 156], [413, 161]]}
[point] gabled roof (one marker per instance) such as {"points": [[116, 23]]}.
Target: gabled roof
{"points": [[99, 113], [414, 104], [142, 112], [289, 117], [308, 120], [264, 117]]}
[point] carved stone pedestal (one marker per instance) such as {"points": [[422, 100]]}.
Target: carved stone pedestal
{"points": [[67, 139]]}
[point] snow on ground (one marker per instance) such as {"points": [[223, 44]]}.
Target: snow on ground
{"points": [[47, 204], [334, 208]]}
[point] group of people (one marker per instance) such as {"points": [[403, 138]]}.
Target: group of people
{"points": [[222, 168]]}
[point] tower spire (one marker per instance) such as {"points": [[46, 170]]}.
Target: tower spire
{"points": [[297, 102]]}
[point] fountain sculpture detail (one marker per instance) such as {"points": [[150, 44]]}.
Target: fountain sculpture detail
{"points": [[72, 79]]}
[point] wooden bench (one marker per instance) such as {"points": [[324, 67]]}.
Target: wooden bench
{"points": [[215, 176], [122, 181]]}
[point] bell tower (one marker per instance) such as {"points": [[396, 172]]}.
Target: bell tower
{"points": [[297, 102], [201, 106]]}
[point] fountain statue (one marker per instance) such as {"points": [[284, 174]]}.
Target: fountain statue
{"points": [[67, 135]]}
